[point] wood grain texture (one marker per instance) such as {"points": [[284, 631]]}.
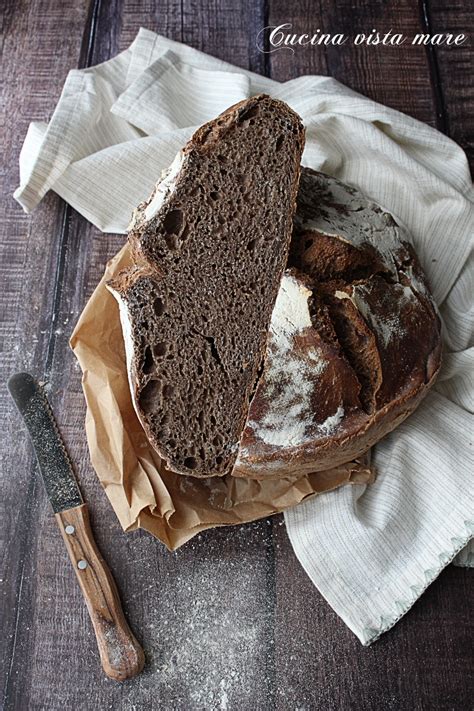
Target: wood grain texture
{"points": [[39, 45], [231, 620], [455, 67], [197, 647], [395, 76]]}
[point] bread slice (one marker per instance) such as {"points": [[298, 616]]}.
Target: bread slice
{"points": [[210, 246], [354, 339]]}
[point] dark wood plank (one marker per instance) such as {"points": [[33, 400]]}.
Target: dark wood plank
{"points": [[453, 67], [161, 17], [223, 29], [395, 76], [39, 45], [226, 30], [204, 614]]}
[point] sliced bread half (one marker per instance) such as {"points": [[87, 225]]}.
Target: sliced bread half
{"points": [[210, 246]]}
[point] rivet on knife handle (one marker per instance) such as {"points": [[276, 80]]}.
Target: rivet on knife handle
{"points": [[120, 654]]}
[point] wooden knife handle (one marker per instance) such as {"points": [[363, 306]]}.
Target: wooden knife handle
{"points": [[120, 654]]}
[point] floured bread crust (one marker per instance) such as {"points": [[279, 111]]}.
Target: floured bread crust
{"points": [[354, 342], [300, 365]]}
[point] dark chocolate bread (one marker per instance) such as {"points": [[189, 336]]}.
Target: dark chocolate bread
{"points": [[354, 339], [210, 246]]}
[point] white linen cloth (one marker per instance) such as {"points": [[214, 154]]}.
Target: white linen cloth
{"points": [[371, 551]]}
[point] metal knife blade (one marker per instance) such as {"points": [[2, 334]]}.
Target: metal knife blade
{"points": [[53, 459]]}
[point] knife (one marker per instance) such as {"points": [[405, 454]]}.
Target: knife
{"points": [[121, 655]]}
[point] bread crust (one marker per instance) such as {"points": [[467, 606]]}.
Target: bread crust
{"points": [[343, 266]]}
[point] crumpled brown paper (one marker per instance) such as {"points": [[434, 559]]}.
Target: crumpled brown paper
{"points": [[141, 490]]}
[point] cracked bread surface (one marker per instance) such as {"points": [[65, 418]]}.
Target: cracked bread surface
{"points": [[209, 246], [358, 348]]}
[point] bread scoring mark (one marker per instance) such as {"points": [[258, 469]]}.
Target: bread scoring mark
{"points": [[291, 376], [290, 314], [387, 322], [417, 283], [343, 212]]}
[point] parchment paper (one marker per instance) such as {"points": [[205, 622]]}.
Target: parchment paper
{"points": [[141, 490]]}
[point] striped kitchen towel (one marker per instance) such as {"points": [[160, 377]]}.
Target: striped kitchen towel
{"points": [[373, 550]]}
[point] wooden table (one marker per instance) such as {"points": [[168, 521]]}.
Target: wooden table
{"points": [[230, 621]]}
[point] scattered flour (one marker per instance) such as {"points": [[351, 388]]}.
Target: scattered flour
{"points": [[290, 375], [208, 624], [362, 221], [224, 700], [387, 325], [330, 423]]}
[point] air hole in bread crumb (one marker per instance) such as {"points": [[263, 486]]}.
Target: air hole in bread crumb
{"points": [[190, 463], [172, 241], [168, 390], [249, 113], [159, 349], [158, 306], [148, 363], [149, 395], [173, 222]]}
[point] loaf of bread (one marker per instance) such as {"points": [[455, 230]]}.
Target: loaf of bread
{"points": [[209, 247], [354, 339]]}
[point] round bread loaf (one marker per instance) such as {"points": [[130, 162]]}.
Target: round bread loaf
{"points": [[354, 342]]}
